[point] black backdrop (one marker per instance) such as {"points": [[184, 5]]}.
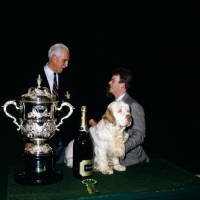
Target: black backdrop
{"points": [[157, 40]]}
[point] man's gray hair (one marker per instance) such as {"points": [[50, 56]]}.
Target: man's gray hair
{"points": [[56, 49]]}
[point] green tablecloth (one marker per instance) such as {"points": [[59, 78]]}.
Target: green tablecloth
{"points": [[157, 179]]}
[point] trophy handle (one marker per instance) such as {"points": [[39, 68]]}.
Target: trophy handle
{"points": [[9, 115], [69, 113]]}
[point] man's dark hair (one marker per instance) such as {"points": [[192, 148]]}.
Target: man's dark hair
{"points": [[125, 76]]}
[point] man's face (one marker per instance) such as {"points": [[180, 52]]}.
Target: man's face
{"points": [[60, 62], [115, 85]]}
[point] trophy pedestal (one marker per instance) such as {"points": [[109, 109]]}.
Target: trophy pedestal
{"points": [[39, 170]]}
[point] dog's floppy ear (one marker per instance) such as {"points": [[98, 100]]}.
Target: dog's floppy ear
{"points": [[108, 116]]}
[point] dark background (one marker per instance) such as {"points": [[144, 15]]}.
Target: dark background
{"points": [[157, 40]]}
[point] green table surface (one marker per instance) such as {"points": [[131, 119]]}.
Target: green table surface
{"points": [[155, 180]]}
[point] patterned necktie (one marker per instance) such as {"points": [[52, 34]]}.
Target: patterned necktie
{"points": [[55, 86]]}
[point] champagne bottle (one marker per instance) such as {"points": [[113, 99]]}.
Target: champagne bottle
{"points": [[83, 150]]}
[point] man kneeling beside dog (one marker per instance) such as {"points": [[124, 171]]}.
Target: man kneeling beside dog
{"points": [[118, 136]]}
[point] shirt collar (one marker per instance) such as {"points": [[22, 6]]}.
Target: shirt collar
{"points": [[48, 70], [120, 97]]}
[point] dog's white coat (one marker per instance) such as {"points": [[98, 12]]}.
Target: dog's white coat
{"points": [[109, 139]]}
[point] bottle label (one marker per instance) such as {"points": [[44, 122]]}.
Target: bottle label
{"points": [[86, 167]]}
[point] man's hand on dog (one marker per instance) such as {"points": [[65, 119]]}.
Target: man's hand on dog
{"points": [[92, 122]]}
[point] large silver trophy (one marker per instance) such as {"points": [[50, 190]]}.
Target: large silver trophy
{"points": [[38, 123]]}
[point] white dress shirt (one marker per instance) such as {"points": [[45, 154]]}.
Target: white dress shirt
{"points": [[120, 97]]}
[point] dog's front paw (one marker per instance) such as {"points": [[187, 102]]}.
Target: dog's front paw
{"points": [[107, 171], [119, 168]]}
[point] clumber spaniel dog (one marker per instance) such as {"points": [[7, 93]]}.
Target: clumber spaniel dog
{"points": [[109, 139]]}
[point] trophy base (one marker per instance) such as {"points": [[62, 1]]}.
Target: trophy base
{"points": [[24, 179], [39, 170]]}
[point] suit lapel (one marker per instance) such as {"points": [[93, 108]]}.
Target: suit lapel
{"points": [[45, 82]]}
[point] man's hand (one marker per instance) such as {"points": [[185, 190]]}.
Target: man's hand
{"points": [[92, 122], [27, 144]]}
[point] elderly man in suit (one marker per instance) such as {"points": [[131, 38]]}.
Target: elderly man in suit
{"points": [[134, 152], [59, 56]]}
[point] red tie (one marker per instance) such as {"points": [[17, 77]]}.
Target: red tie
{"points": [[55, 86]]}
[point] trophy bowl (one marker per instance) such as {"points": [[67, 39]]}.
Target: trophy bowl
{"points": [[38, 109]]}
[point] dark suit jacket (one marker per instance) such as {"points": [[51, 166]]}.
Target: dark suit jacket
{"points": [[71, 124], [65, 83]]}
